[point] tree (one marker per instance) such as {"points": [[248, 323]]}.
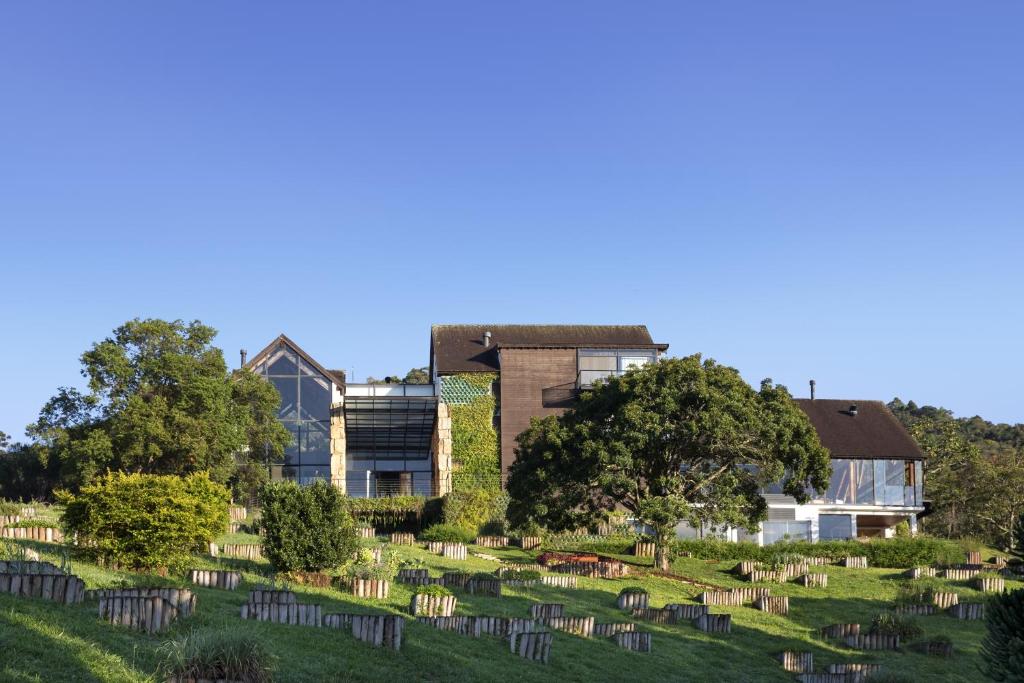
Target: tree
{"points": [[974, 475], [414, 376], [160, 401], [417, 376], [679, 440], [1003, 647]]}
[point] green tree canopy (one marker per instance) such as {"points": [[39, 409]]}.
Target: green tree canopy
{"points": [[681, 439], [974, 474], [160, 400]]}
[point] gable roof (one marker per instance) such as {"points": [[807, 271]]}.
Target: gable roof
{"points": [[460, 348], [337, 376], [873, 432]]}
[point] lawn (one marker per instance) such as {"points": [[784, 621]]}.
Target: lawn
{"points": [[42, 641]]}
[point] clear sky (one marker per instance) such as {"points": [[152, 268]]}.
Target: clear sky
{"points": [[798, 189]]}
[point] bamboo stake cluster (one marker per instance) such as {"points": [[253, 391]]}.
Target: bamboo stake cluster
{"points": [[45, 534], [535, 646], [492, 541], [610, 629], [379, 630], [797, 662], [544, 610], [398, 538], [778, 604], [632, 599], [969, 611], [432, 605], [480, 625], [245, 551], [577, 626], [182, 599], [634, 640], [150, 614], [216, 578], [841, 631], [873, 642], [63, 588]]}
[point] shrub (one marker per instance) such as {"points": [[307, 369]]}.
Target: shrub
{"points": [[1003, 647], [8, 508], [476, 509], [450, 533], [366, 567], [306, 528], [217, 655], [521, 575], [434, 590], [890, 624], [146, 521], [632, 590]]}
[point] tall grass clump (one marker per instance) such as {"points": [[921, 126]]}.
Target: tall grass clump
{"points": [[231, 655]]}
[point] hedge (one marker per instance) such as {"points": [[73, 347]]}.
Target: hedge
{"points": [[898, 553]]}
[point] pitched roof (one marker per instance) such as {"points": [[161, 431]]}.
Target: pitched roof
{"points": [[460, 348], [337, 376], [873, 432]]}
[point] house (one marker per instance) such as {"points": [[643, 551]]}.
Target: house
{"points": [[388, 439], [877, 480], [538, 370]]}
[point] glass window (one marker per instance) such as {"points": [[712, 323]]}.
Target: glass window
{"points": [[835, 527], [316, 399], [314, 444], [627, 362], [289, 389], [786, 531], [597, 363], [282, 363]]}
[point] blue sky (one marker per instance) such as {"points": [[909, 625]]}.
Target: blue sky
{"points": [[798, 189]]}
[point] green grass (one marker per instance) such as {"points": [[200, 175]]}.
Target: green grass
{"points": [[42, 641]]}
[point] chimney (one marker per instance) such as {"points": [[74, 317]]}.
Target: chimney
{"points": [[487, 338], [812, 389], [243, 353], [853, 410]]}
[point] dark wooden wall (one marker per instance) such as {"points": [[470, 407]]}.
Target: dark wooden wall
{"points": [[534, 383]]}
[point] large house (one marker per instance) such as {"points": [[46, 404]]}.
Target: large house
{"points": [[388, 439]]}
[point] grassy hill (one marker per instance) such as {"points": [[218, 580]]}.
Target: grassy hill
{"points": [[42, 641]]}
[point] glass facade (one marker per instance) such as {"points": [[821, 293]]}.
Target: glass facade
{"points": [[875, 482], [305, 411]]}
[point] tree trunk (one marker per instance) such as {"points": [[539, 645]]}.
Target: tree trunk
{"points": [[662, 540]]}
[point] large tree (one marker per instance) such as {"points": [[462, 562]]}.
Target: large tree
{"points": [[160, 400], [679, 440]]}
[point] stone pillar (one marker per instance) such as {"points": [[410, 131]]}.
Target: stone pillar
{"points": [[338, 445], [441, 445]]}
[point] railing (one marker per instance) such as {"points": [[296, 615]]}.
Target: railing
{"points": [[586, 378], [391, 390]]}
